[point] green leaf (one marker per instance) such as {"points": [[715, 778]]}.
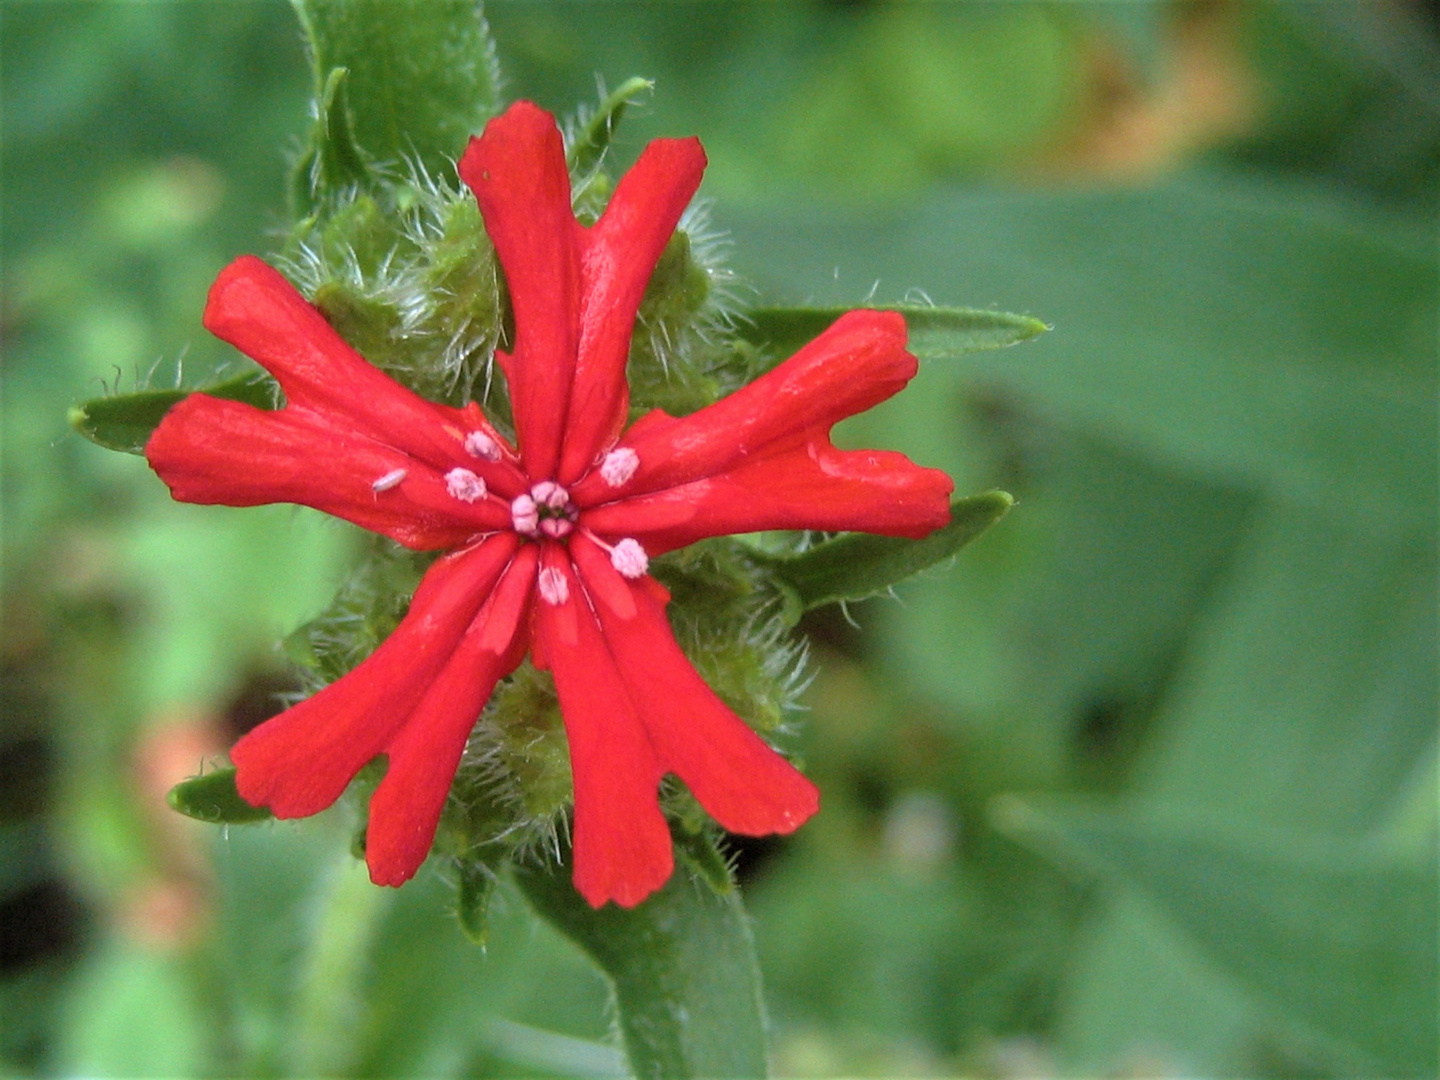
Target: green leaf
{"points": [[858, 565], [935, 333], [422, 73], [589, 144], [125, 421], [213, 798], [1339, 936], [687, 987]]}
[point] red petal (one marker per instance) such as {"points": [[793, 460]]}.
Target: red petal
{"points": [[517, 171], [622, 845], [255, 309], [223, 452], [299, 762], [746, 786], [855, 364], [423, 756], [813, 486], [618, 255]]}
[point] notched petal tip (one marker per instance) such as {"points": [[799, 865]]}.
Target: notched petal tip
{"points": [[521, 129], [626, 887]]}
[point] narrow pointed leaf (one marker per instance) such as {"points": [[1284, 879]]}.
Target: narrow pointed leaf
{"points": [[213, 798], [125, 421], [682, 963], [472, 905], [935, 333], [335, 161], [590, 142], [1335, 936], [858, 565], [422, 73]]}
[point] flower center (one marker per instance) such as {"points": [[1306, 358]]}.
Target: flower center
{"points": [[546, 510]]}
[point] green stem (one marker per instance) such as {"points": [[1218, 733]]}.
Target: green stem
{"points": [[687, 986]]}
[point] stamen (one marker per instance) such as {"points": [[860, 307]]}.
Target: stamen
{"points": [[629, 558], [619, 466], [546, 509], [524, 515], [464, 485], [554, 589], [549, 493], [389, 480], [478, 444]]}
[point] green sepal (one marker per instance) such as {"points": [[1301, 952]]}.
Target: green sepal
{"points": [[213, 798], [857, 565], [592, 140], [699, 852], [422, 73], [126, 421], [476, 888], [936, 333], [682, 963]]}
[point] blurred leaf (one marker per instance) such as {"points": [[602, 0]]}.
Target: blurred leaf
{"points": [[134, 1012], [213, 798], [935, 333], [541, 1052], [422, 73], [1306, 698], [126, 421], [1317, 654], [857, 565], [432, 999], [687, 987], [589, 144], [1291, 348], [1340, 936], [345, 912]]}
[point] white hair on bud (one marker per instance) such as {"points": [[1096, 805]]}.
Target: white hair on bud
{"points": [[464, 485], [619, 466], [629, 558], [554, 589], [389, 480]]}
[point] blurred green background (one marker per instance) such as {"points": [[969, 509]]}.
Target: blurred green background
{"points": [[1144, 784]]}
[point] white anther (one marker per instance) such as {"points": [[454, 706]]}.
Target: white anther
{"points": [[389, 480], [557, 527], [548, 493], [554, 589], [478, 444], [524, 515], [629, 558], [464, 485], [619, 466]]}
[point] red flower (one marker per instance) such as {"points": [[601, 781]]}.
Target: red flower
{"points": [[548, 540]]}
